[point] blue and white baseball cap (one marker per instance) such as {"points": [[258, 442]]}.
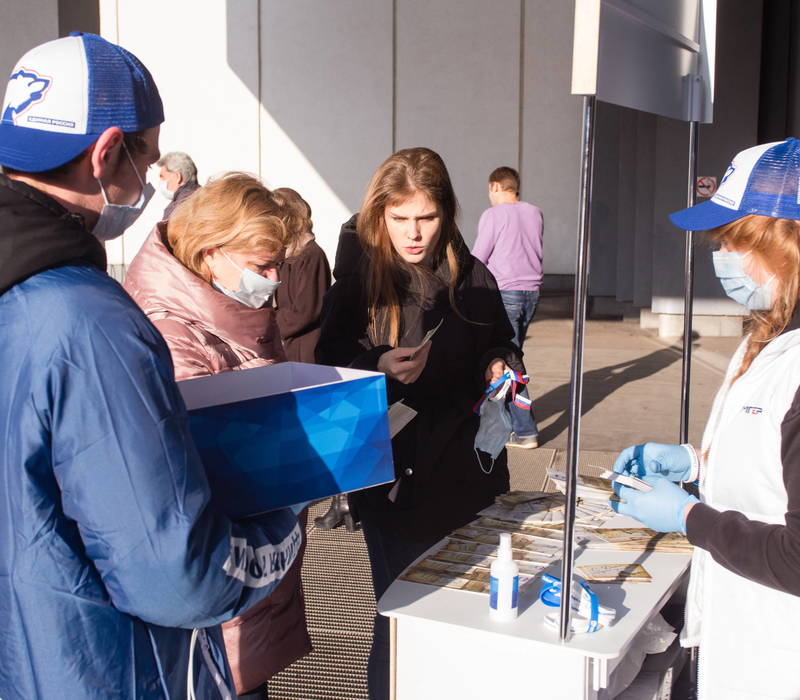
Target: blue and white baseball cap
{"points": [[761, 180], [63, 94]]}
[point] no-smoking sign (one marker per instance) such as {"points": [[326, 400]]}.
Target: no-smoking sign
{"points": [[705, 186]]}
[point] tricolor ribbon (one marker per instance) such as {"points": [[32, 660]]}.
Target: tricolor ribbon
{"points": [[509, 379]]}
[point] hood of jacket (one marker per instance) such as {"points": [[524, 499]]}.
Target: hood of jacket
{"points": [[164, 288], [37, 233]]}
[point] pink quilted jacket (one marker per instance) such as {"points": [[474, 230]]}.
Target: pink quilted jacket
{"points": [[207, 332]]}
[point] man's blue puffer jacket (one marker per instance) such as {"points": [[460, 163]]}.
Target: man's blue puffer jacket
{"points": [[111, 549]]}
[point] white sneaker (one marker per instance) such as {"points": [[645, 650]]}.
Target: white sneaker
{"points": [[528, 442]]}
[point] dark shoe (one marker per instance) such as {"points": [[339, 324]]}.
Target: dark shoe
{"points": [[338, 513], [526, 442]]}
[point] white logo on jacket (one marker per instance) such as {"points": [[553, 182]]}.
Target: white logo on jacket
{"points": [[258, 567]]}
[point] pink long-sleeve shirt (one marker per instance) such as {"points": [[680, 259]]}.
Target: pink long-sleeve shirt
{"points": [[509, 243]]}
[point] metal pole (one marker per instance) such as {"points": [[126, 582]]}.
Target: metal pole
{"points": [[576, 376], [688, 299], [688, 292]]}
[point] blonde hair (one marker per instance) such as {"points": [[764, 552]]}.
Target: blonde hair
{"points": [[296, 216], [775, 243], [396, 180], [235, 211]]}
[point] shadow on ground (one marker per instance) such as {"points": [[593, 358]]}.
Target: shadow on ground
{"points": [[598, 384]]}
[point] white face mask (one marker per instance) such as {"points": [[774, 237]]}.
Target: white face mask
{"points": [[116, 218], [164, 191], [254, 290], [738, 285]]}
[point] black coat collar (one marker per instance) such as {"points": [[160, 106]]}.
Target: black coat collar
{"points": [[37, 233]]}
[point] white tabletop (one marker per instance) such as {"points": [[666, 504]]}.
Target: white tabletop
{"points": [[635, 603]]}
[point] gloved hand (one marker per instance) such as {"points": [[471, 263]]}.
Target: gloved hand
{"points": [[662, 509], [673, 462]]}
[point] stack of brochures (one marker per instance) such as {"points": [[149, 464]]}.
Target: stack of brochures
{"points": [[544, 509], [640, 539], [613, 573], [536, 523]]}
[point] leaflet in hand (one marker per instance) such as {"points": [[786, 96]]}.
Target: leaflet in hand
{"points": [[427, 337]]}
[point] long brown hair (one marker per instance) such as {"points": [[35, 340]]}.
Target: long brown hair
{"points": [[296, 217], [776, 244], [397, 179]]}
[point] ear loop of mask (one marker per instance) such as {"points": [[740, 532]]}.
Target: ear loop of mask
{"points": [[136, 172]]}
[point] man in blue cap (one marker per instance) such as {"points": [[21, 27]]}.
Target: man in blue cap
{"points": [[112, 548]]}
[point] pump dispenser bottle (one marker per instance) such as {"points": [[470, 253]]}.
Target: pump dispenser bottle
{"points": [[504, 583]]}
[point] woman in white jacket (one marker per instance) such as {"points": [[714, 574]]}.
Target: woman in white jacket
{"points": [[743, 604]]}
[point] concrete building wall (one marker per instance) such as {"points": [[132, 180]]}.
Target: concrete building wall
{"points": [[204, 58], [628, 179], [24, 28], [315, 95], [326, 102], [551, 129], [605, 203], [645, 176], [735, 127], [462, 102]]}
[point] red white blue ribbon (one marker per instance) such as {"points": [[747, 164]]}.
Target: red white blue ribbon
{"points": [[514, 379]]}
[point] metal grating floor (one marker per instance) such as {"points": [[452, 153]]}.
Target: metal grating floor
{"points": [[339, 601], [339, 609]]}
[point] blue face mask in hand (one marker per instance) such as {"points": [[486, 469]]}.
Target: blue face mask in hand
{"points": [[738, 285], [493, 432]]}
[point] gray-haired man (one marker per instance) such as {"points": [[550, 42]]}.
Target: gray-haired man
{"points": [[177, 178]]}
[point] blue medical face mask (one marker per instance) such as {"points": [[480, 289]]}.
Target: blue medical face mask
{"points": [[738, 285], [254, 290], [494, 431]]}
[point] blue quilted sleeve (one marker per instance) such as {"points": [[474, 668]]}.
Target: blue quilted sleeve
{"points": [[130, 477]]}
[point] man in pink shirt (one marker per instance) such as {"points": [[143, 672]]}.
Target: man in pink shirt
{"points": [[509, 243]]}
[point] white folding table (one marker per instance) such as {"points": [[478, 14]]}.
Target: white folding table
{"points": [[445, 646]]}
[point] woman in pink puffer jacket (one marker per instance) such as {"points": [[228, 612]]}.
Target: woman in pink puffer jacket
{"points": [[205, 279]]}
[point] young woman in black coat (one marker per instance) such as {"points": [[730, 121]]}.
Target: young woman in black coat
{"points": [[414, 272]]}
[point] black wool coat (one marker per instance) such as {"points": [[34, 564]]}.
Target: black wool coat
{"points": [[441, 483]]}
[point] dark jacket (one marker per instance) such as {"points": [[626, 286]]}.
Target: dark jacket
{"points": [[112, 548], [305, 277], [348, 250], [442, 485], [180, 194]]}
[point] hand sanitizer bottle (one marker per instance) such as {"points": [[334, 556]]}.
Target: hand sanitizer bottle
{"points": [[504, 583]]}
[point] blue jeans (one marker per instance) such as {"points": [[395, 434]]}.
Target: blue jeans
{"points": [[520, 308], [523, 422]]}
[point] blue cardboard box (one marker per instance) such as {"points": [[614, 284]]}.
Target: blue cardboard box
{"points": [[274, 436]]}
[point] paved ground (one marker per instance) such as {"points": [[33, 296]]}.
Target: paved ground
{"points": [[631, 394]]}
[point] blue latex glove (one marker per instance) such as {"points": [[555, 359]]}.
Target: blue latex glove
{"points": [[297, 507], [673, 462], [661, 509]]}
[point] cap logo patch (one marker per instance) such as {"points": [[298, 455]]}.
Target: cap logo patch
{"points": [[25, 89], [731, 169]]}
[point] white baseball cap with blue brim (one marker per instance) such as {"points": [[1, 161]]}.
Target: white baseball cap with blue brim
{"points": [[63, 94], [763, 180]]}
